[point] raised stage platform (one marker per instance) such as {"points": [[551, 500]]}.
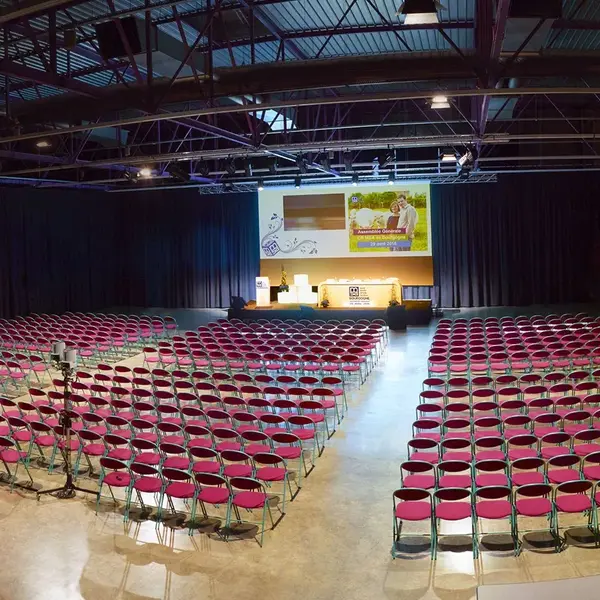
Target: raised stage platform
{"points": [[397, 317]]}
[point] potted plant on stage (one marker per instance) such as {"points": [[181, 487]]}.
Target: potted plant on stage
{"points": [[325, 298], [283, 286]]}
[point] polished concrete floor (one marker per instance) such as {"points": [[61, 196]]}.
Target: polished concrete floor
{"points": [[333, 544]]}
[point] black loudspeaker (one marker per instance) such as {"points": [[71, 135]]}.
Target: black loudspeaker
{"points": [[237, 303], [396, 318], [70, 38], [110, 42], [536, 9]]}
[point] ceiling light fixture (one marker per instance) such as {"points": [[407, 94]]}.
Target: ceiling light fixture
{"points": [[438, 102], [260, 185], [448, 155], [297, 182], [230, 166], [391, 179], [145, 172], [348, 161], [354, 179], [420, 12], [43, 144], [302, 164]]}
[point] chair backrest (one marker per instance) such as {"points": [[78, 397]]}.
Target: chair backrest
{"points": [[411, 495], [493, 492]]}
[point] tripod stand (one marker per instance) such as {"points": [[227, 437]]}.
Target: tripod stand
{"points": [[65, 421]]}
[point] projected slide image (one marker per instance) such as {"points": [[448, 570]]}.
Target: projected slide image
{"points": [[314, 212], [390, 221], [345, 221]]}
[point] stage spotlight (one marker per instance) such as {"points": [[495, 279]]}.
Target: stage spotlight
{"points": [[43, 144], [203, 169], [273, 166], [469, 157], [348, 161], [297, 182], [229, 166], [228, 187], [391, 179], [145, 172], [178, 172], [302, 164], [260, 185], [354, 179], [375, 166], [247, 168], [326, 163], [420, 12]]}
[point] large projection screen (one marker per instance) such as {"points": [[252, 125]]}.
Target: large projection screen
{"points": [[345, 222]]}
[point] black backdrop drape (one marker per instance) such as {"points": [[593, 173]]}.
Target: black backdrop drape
{"points": [[528, 239], [82, 250]]}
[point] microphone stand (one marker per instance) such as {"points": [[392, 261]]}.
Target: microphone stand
{"points": [[65, 422]]}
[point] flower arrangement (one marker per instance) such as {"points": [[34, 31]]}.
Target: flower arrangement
{"points": [[283, 285], [394, 299], [325, 300]]}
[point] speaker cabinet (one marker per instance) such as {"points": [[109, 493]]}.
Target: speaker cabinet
{"points": [[110, 42]]}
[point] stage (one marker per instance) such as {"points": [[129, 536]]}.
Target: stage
{"points": [[397, 317]]}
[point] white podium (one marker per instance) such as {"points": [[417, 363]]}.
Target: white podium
{"points": [[263, 291], [299, 293]]}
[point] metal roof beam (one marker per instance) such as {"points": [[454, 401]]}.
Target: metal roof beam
{"points": [[266, 20], [295, 103], [13, 69], [497, 40]]}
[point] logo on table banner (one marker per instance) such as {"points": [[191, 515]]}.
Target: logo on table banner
{"points": [[358, 296]]}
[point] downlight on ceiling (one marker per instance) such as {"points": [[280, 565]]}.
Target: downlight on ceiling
{"points": [[439, 101], [420, 12], [448, 155]]}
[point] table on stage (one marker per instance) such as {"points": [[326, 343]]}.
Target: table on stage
{"points": [[348, 293]]}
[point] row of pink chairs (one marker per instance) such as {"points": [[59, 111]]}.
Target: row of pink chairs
{"points": [[540, 502]]}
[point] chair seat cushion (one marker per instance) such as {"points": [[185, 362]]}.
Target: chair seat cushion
{"points": [[573, 503], [206, 466], [237, 470], [453, 511], [148, 485], [425, 482], [180, 489], [527, 477], [250, 500], [271, 474], [534, 507], [117, 479], [455, 481], [214, 495], [485, 479], [563, 475], [413, 511], [493, 509]]}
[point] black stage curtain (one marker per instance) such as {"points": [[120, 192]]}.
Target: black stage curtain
{"points": [[527, 239], [84, 250]]}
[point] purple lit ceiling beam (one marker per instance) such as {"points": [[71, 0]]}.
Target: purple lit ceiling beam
{"points": [[496, 47]]}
